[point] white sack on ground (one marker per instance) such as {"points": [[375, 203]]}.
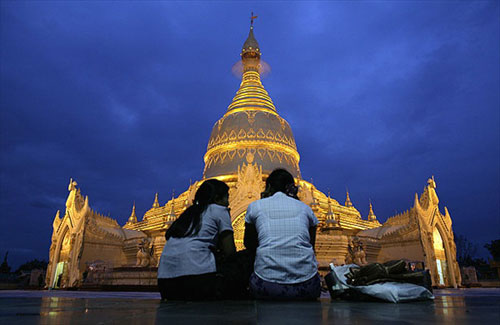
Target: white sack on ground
{"points": [[388, 291]]}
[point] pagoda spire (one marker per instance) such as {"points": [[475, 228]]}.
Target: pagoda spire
{"points": [[251, 131], [371, 214], [171, 216], [251, 48], [331, 218], [156, 204], [251, 95], [314, 204], [348, 202], [330, 212], [133, 216]]}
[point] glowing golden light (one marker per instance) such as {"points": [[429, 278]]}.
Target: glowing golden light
{"points": [[252, 144], [249, 141]]}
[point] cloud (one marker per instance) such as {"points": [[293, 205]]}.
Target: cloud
{"points": [[122, 97]]}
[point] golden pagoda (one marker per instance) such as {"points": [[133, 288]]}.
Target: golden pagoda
{"points": [[251, 129], [248, 142]]}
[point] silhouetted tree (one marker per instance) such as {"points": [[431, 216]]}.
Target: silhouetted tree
{"points": [[5, 268], [465, 251], [494, 248], [32, 265]]}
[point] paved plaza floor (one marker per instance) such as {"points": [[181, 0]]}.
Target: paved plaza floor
{"points": [[453, 306]]}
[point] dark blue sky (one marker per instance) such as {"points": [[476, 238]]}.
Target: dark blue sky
{"points": [[122, 97]]}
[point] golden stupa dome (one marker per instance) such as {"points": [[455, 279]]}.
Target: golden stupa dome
{"points": [[251, 131]]}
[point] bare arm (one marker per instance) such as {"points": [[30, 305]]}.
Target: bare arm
{"points": [[227, 243], [250, 240], [312, 235]]}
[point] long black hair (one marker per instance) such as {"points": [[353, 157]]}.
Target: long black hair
{"points": [[280, 180], [188, 222]]}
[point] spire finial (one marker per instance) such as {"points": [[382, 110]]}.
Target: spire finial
{"points": [[331, 218], [371, 214], [348, 202], [252, 17], [250, 52], [133, 216], [171, 215], [156, 204], [314, 203]]}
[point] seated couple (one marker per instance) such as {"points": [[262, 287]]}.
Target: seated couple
{"points": [[279, 260]]}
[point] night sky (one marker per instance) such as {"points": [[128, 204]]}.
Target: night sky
{"points": [[122, 97]]}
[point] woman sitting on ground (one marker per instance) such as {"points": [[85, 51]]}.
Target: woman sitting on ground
{"points": [[282, 229], [187, 269]]}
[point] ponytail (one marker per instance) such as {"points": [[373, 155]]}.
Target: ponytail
{"points": [[188, 222]]}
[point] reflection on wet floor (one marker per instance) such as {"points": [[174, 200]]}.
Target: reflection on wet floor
{"points": [[450, 306]]}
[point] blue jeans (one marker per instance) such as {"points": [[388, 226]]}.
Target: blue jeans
{"points": [[307, 290]]}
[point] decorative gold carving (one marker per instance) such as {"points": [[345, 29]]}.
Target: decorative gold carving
{"points": [[282, 122], [277, 138], [251, 116], [271, 154], [250, 157], [223, 156], [429, 198], [239, 230], [219, 157], [261, 152], [241, 152], [242, 134], [249, 184], [57, 221], [280, 156], [220, 122]]}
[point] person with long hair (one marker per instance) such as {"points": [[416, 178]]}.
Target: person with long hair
{"points": [[187, 268], [282, 231]]}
